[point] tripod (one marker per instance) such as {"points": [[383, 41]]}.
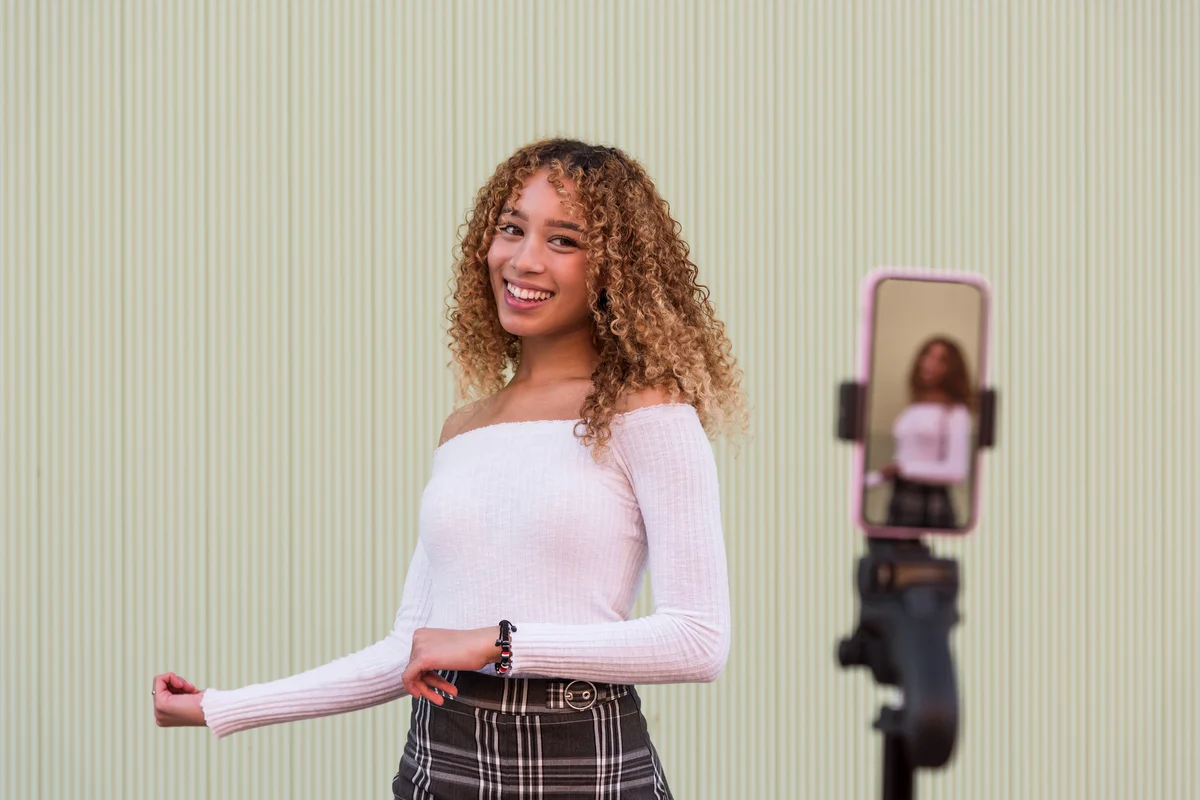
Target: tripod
{"points": [[907, 608]]}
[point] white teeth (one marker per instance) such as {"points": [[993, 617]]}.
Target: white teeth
{"points": [[526, 294]]}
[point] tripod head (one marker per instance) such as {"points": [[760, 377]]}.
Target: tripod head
{"points": [[907, 607]]}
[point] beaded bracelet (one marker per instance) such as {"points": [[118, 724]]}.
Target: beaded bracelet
{"points": [[505, 645]]}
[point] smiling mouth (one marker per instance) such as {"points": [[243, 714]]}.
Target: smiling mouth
{"points": [[526, 297]]}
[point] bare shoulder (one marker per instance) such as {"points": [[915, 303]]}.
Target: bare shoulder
{"points": [[459, 420], [643, 398]]}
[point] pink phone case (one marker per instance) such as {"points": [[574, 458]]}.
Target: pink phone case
{"points": [[866, 331]]}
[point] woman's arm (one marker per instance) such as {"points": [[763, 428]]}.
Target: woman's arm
{"points": [[957, 462], [670, 464], [367, 678]]}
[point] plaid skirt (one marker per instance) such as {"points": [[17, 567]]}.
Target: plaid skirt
{"points": [[920, 505], [511, 739]]}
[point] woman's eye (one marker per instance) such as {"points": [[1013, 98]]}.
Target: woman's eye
{"points": [[510, 229], [563, 241]]}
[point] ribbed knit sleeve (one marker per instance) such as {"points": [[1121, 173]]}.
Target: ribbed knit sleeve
{"points": [[367, 678], [669, 461]]}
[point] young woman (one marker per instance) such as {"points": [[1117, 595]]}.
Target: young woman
{"points": [[933, 439], [595, 371]]}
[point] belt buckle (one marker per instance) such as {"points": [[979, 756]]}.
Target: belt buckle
{"points": [[586, 694]]}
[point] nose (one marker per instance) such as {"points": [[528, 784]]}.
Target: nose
{"points": [[528, 258]]}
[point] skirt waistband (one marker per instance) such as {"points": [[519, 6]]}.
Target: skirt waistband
{"points": [[531, 695]]}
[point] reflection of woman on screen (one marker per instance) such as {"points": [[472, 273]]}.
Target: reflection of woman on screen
{"points": [[933, 439]]}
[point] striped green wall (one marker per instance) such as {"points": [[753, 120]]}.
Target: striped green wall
{"points": [[225, 232]]}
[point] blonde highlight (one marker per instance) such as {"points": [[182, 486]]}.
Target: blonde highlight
{"points": [[655, 328]]}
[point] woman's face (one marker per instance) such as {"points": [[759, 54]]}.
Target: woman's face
{"points": [[931, 369], [537, 266]]}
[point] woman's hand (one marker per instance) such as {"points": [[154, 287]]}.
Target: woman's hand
{"points": [[890, 471], [440, 648], [177, 703]]}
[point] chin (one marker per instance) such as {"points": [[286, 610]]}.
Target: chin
{"points": [[515, 326], [515, 330]]}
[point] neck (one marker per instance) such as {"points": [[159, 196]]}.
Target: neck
{"points": [[552, 359], [933, 396]]}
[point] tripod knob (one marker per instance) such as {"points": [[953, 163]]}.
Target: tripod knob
{"points": [[852, 652]]}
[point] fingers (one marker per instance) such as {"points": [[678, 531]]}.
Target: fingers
{"points": [[424, 689], [412, 681], [420, 683], [167, 686], [435, 681], [170, 683], [181, 686]]}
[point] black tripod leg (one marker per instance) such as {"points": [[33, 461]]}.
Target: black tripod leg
{"points": [[897, 770]]}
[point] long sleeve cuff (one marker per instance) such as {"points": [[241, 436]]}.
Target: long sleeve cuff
{"points": [[656, 649], [367, 678]]}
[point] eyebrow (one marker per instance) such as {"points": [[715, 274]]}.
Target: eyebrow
{"points": [[553, 223]]}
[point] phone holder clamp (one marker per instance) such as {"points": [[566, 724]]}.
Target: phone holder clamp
{"points": [[852, 407]]}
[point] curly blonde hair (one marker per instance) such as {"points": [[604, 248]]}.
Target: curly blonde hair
{"points": [[654, 326]]}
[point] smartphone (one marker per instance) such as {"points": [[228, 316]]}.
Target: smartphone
{"points": [[923, 347]]}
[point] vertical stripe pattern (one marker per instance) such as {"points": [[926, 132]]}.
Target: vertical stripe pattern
{"points": [[225, 237]]}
